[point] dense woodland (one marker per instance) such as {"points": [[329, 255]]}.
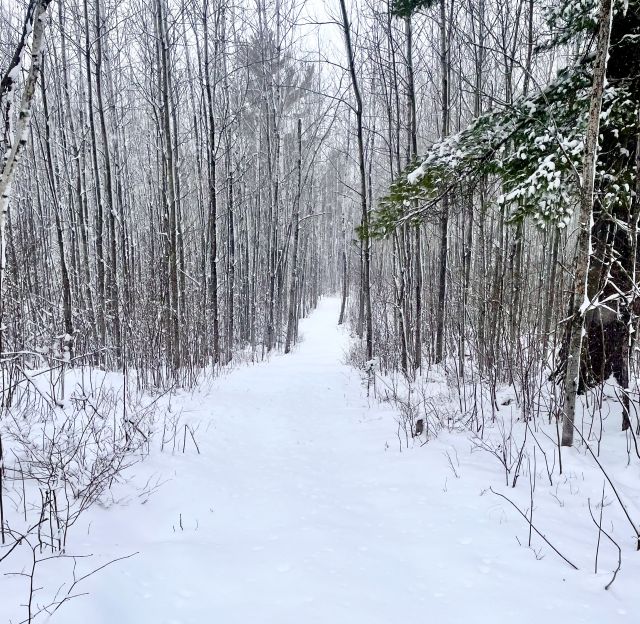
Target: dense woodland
{"points": [[183, 179], [182, 182], [172, 203]]}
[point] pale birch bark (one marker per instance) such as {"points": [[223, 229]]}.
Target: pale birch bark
{"points": [[583, 245], [35, 22]]}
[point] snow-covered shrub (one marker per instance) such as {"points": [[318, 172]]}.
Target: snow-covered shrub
{"points": [[61, 454]]}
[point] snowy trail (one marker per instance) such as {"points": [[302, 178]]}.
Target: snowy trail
{"points": [[298, 511]]}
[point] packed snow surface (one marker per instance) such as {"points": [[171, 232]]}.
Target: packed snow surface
{"points": [[300, 508]]}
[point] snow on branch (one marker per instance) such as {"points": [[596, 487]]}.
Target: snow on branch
{"points": [[34, 26], [534, 148]]}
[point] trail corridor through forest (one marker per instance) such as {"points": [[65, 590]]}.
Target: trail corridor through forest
{"points": [[300, 508]]}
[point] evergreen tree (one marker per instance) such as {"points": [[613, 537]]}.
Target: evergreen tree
{"points": [[536, 150]]}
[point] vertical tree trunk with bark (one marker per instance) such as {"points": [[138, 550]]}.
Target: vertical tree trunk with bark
{"points": [[99, 218], [34, 25], [52, 177], [295, 226], [111, 276], [413, 153], [444, 219], [171, 200], [583, 245], [366, 244], [213, 197]]}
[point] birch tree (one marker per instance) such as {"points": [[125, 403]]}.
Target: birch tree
{"points": [[583, 247], [16, 130]]}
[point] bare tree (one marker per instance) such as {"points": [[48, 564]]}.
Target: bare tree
{"points": [[583, 246]]}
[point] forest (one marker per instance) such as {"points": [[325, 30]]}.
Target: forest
{"points": [[290, 286]]}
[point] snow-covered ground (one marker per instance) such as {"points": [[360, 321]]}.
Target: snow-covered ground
{"points": [[299, 508]]}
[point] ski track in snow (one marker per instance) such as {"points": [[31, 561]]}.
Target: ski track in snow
{"points": [[301, 509]]}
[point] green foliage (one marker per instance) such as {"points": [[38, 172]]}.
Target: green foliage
{"points": [[404, 8], [567, 20], [535, 147]]}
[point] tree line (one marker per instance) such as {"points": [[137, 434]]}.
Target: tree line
{"points": [[169, 211], [197, 173], [506, 252]]}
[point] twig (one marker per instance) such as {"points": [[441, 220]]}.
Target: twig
{"points": [[86, 576], [599, 525], [613, 487], [534, 528], [194, 440]]}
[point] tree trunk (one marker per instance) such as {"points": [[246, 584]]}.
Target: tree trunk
{"points": [[583, 245], [444, 219], [213, 198], [170, 206], [99, 220], [293, 286], [35, 23], [366, 244]]}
